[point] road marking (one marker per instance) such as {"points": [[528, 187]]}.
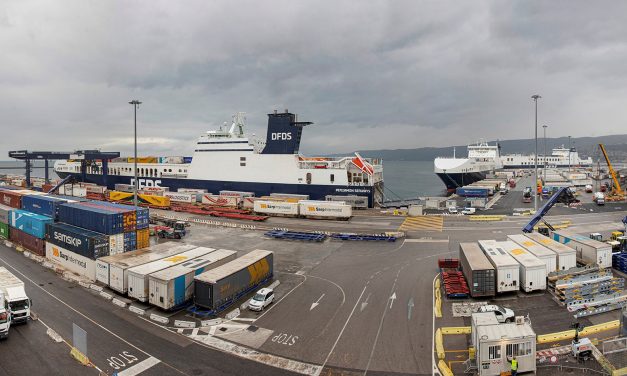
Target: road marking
{"points": [[426, 240], [364, 303], [410, 307], [284, 296], [316, 303], [140, 367], [392, 298], [425, 222]]}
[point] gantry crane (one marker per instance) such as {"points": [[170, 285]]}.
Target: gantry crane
{"points": [[616, 194]]}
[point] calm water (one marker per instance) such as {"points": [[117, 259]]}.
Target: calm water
{"points": [[403, 179]]}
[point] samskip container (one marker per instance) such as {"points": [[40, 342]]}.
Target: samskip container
{"points": [[507, 269], [43, 205], [477, 269], [276, 208], [172, 287], [325, 209], [218, 288], [566, 256], [86, 243], [71, 261], [30, 223], [532, 269], [548, 257]]}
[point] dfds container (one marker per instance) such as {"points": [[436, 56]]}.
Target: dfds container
{"points": [[71, 261], [588, 250], [276, 208], [4, 230], [325, 209], [27, 241], [11, 198], [84, 242], [532, 269], [472, 192], [172, 287], [30, 223], [91, 218], [43, 205], [548, 257], [4, 214], [477, 269], [138, 276], [113, 270], [566, 256], [218, 288], [507, 269]]}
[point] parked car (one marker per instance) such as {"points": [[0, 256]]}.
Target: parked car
{"points": [[468, 211], [261, 300], [502, 314], [452, 210]]}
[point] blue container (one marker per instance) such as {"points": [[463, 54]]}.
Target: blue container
{"points": [[472, 192], [187, 159], [30, 223], [92, 218], [43, 205], [78, 240], [69, 198], [143, 214], [130, 241]]}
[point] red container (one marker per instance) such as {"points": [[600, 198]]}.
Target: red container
{"points": [[33, 244], [46, 188], [11, 198]]}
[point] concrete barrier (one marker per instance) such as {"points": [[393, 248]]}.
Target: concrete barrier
{"points": [[95, 287], [119, 303], [184, 324], [439, 344], [159, 318], [211, 322], [136, 310], [233, 314], [106, 295], [456, 330], [570, 334]]}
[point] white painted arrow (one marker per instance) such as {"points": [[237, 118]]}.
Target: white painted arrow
{"points": [[364, 303], [410, 307], [317, 302], [392, 298]]}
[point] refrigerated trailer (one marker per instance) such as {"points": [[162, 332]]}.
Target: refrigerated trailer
{"points": [[477, 269], [566, 256], [173, 287], [507, 269], [588, 250], [532, 269], [216, 289], [548, 257]]}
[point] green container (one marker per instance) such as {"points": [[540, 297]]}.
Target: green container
{"points": [[4, 231]]}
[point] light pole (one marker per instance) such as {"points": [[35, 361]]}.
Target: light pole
{"points": [[535, 184], [135, 104], [569, 149], [544, 126]]}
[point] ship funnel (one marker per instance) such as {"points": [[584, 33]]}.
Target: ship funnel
{"points": [[284, 134]]}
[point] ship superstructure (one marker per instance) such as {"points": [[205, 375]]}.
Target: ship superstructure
{"points": [[560, 157]]}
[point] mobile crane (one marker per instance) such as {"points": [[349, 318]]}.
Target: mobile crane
{"points": [[563, 195], [616, 194]]}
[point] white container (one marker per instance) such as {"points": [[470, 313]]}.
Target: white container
{"points": [[325, 209], [138, 276], [95, 189], [79, 191], [507, 269], [588, 250], [248, 202], [566, 256], [71, 261], [239, 194], [192, 190], [548, 257], [172, 287], [231, 201], [113, 270], [176, 160], [532, 269], [180, 197], [116, 244], [290, 195], [276, 207]]}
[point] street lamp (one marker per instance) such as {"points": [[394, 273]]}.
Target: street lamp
{"points": [[545, 126], [135, 104], [535, 184], [569, 150]]}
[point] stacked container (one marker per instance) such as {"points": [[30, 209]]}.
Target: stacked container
{"points": [[92, 218], [11, 198], [143, 238], [43, 205], [30, 223], [29, 242], [86, 243], [4, 221]]}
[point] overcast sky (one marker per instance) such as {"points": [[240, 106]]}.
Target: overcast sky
{"points": [[369, 74]]}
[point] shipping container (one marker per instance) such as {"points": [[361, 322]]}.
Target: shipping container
{"points": [[124, 188], [588, 250], [180, 197], [548, 257], [471, 192], [130, 241], [507, 269], [4, 213], [4, 231], [356, 202], [239, 194], [143, 238], [113, 270], [191, 190], [138, 276], [92, 218], [116, 243], [30, 223], [187, 159], [532, 270], [288, 209], [173, 287], [84, 242], [32, 243], [129, 216], [71, 261], [79, 191], [248, 203], [566, 256], [44, 205], [289, 195], [216, 289], [230, 201], [11, 198], [325, 209], [477, 269]]}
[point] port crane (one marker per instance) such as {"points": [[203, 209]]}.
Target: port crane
{"points": [[616, 194]]}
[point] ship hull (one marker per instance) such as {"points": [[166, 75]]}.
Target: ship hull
{"points": [[315, 192], [454, 180]]}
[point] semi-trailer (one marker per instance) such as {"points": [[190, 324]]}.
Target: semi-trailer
{"points": [[548, 257], [477, 269], [532, 269], [507, 269], [566, 256], [588, 250]]}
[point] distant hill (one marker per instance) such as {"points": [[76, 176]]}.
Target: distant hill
{"points": [[586, 146]]}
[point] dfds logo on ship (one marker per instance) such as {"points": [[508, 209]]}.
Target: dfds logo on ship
{"points": [[281, 136], [143, 183]]}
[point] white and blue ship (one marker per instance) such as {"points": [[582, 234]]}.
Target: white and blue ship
{"points": [[226, 159]]}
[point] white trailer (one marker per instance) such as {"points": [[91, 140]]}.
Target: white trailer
{"points": [[566, 256], [497, 344], [138, 276], [14, 295], [172, 287], [113, 270], [282, 208], [507, 269], [548, 257], [588, 250], [325, 209], [532, 269]]}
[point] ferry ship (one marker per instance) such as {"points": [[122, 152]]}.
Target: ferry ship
{"points": [[560, 157], [226, 159], [457, 172]]}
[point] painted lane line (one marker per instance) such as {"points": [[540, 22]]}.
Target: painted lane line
{"points": [[284, 296], [392, 298], [410, 307], [364, 303], [140, 367]]}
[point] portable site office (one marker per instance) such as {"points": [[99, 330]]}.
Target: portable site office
{"points": [[497, 344], [507, 269], [566, 256]]}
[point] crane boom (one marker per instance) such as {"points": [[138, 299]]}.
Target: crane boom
{"points": [[617, 188]]}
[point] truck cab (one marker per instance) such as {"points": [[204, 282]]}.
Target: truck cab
{"points": [[19, 304], [5, 318]]}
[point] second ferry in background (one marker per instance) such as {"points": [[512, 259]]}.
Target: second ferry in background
{"points": [[226, 159], [457, 172]]}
